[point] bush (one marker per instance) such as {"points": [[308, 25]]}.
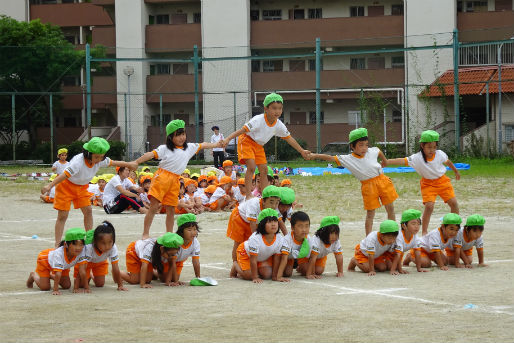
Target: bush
{"points": [[285, 152]]}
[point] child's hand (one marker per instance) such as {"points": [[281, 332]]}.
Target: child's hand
{"points": [[339, 274], [78, 290], [394, 272], [45, 189], [483, 265], [146, 285], [121, 288], [458, 265], [282, 279], [402, 271], [223, 143], [443, 268], [469, 266], [305, 154], [257, 280], [421, 270], [56, 292], [457, 175], [87, 290], [372, 273]]}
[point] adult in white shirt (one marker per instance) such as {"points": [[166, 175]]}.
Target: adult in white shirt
{"points": [[217, 153], [120, 193]]}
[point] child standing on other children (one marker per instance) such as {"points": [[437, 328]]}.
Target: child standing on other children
{"points": [[462, 245], [376, 188], [187, 229], [60, 165], [256, 133], [324, 242], [174, 156], [431, 164]]}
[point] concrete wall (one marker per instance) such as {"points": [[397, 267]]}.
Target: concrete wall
{"points": [[18, 9]]}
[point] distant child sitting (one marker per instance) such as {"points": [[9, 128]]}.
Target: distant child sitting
{"points": [[239, 191], [120, 194], [376, 188], [222, 197], [324, 242], [187, 229], [256, 133], [191, 187], [431, 164], [462, 245], [49, 196], [61, 164], [206, 197], [98, 193], [145, 181], [375, 251], [228, 170]]}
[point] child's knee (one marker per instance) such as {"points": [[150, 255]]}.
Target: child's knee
{"points": [[319, 270], [265, 273], [381, 267]]}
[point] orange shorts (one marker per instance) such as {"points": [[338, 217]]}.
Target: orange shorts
{"points": [[244, 260], [248, 149], [165, 187], [321, 262], [450, 252], [361, 258], [214, 205], [380, 187], [442, 186], [43, 268], [49, 200], [132, 261], [99, 269], [424, 253], [67, 191], [177, 210], [290, 262], [237, 229]]}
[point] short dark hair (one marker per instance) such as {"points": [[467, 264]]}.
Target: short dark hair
{"points": [[72, 242], [261, 227], [324, 232], [393, 234], [181, 228], [105, 228], [362, 139], [215, 128], [121, 170], [89, 155], [169, 139], [146, 181], [473, 227], [299, 216], [156, 257]]}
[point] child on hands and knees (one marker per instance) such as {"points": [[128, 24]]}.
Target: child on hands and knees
{"points": [[187, 229], [462, 245]]}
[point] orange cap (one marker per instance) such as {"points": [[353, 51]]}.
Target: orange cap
{"points": [[210, 189], [285, 182], [227, 163], [202, 177], [211, 177], [224, 180], [117, 170], [145, 177], [241, 181], [190, 182]]}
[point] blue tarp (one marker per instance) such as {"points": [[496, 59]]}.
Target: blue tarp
{"points": [[337, 171]]}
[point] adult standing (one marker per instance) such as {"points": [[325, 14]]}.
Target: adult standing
{"points": [[218, 153]]}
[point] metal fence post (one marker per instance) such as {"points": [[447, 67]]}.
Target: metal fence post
{"points": [[456, 87], [318, 95], [88, 89], [51, 127], [13, 109], [161, 124], [197, 107], [126, 123], [487, 115]]}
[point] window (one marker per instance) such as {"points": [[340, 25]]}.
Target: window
{"points": [[180, 69], [354, 117], [312, 65], [162, 69], [271, 65], [396, 116], [397, 62], [69, 121], [151, 20], [166, 118], [376, 63], [297, 14], [397, 9], [271, 14], [459, 6], [70, 39], [312, 117], [70, 81], [256, 66], [197, 17], [476, 6], [314, 13], [358, 63], [254, 14], [356, 11], [162, 19], [297, 65], [509, 133]]}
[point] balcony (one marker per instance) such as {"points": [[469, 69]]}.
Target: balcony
{"points": [[69, 15], [168, 38], [171, 84], [485, 26], [170, 1], [105, 36], [103, 2], [355, 31], [106, 87]]}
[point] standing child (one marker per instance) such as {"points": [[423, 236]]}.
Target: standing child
{"points": [[258, 258], [60, 165], [174, 156], [434, 243], [462, 245], [144, 255], [58, 261], [431, 164], [187, 229], [257, 132], [325, 241], [72, 184], [376, 188]]}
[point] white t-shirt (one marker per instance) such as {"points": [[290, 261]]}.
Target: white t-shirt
{"points": [[250, 209], [431, 170], [402, 245], [144, 197], [110, 191], [199, 192], [52, 193], [363, 168], [256, 246], [462, 241], [175, 161], [80, 173], [434, 241], [59, 262], [91, 255], [233, 176], [143, 248], [294, 246], [216, 139], [193, 250], [218, 193], [237, 195], [372, 245], [321, 249], [59, 166], [261, 131], [205, 199]]}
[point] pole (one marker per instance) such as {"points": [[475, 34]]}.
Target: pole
{"points": [[161, 124], [235, 126], [318, 95], [126, 118], [487, 114], [456, 87], [13, 109], [51, 127], [129, 119], [88, 89], [385, 131], [500, 138], [197, 107], [361, 99]]}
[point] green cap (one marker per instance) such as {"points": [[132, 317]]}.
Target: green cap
{"points": [[287, 195], [74, 234], [429, 136], [452, 218], [270, 171], [270, 191], [410, 214], [267, 212], [89, 236], [475, 220], [329, 220], [305, 249], [389, 226], [186, 218], [358, 133], [170, 240], [174, 125], [97, 145], [272, 97], [203, 281]]}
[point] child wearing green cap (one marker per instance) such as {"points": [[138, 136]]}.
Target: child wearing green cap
{"points": [[434, 243], [324, 242], [431, 164], [376, 188], [72, 184], [61, 164], [374, 253], [174, 157], [187, 229], [285, 206], [256, 133], [58, 262], [461, 246], [145, 255], [258, 258]]}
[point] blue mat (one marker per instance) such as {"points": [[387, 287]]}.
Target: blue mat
{"points": [[338, 171]]}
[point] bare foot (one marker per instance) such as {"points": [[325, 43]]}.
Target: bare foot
{"points": [[233, 272], [30, 280]]}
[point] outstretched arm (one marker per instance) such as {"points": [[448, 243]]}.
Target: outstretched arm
{"points": [[292, 142], [233, 135], [147, 156], [206, 145], [452, 167], [396, 161], [324, 157], [55, 182]]}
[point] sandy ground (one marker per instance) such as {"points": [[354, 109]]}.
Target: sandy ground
{"points": [[427, 307]]}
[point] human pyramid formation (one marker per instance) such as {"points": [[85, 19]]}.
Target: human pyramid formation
{"points": [[263, 248]]}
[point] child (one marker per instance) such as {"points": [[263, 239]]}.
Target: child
{"points": [[58, 261], [433, 243], [325, 241], [120, 194], [99, 191], [49, 196], [187, 229], [239, 191], [362, 163], [186, 173], [222, 197], [206, 196], [298, 245], [145, 181], [406, 241], [430, 164], [72, 184], [258, 258], [144, 255], [174, 156], [100, 246], [285, 206], [228, 170], [375, 251], [61, 164], [243, 219], [132, 177], [256, 182], [287, 183], [212, 180], [462, 245], [257, 132]]}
